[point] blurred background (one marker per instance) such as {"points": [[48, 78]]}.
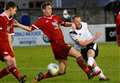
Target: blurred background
{"points": [[99, 14], [89, 10]]}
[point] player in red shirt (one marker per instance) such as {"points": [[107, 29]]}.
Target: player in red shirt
{"points": [[6, 50], [118, 28], [50, 25]]}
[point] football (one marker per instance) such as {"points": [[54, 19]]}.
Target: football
{"points": [[53, 69]]}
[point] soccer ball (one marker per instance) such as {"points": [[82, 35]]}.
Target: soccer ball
{"points": [[53, 69]]}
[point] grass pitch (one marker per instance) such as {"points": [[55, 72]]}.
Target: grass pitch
{"points": [[31, 60]]}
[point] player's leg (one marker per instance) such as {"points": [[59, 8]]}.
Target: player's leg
{"points": [[91, 54], [80, 61], [45, 75], [62, 66], [91, 62], [4, 72], [11, 67], [101, 76], [7, 54], [118, 39]]}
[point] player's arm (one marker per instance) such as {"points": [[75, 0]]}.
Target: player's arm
{"points": [[68, 24], [118, 20], [88, 41], [118, 24], [63, 23], [82, 42], [10, 42], [27, 28]]}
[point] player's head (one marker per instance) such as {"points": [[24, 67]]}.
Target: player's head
{"points": [[47, 8], [11, 7], [77, 21]]}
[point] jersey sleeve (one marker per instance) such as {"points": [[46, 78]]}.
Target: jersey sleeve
{"points": [[118, 24], [118, 20], [11, 31], [37, 24], [86, 27], [61, 21], [74, 36]]}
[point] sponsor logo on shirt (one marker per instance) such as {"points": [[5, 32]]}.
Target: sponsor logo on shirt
{"points": [[1, 28], [55, 24]]}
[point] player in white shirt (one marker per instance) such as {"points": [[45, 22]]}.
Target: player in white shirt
{"points": [[85, 42]]}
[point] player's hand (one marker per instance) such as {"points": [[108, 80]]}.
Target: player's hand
{"points": [[73, 26], [98, 34]]}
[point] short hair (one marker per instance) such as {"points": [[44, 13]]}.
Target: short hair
{"points": [[75, 16], [44, 4], [10, 4]]}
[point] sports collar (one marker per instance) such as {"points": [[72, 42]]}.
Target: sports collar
{"points": [[49, 17], [80, 27], [4, 14]]}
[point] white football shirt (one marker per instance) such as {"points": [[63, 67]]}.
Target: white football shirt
{"points": [[80, 34]]}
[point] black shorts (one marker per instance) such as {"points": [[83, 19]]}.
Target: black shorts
{"points": [[84, 50]]}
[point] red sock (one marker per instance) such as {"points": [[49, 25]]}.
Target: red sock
{"points": [[4, 72], [46, 75], [83, 65], [15, 72]]}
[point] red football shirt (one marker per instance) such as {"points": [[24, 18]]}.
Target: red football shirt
{"points": [[6, 26], [50, 26], [118, 24]]}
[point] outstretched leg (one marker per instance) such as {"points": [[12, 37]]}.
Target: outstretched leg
{"points": [[80, 61], [45, 75], [101, 76], [4, 72], [91, 62], [11, 68]]}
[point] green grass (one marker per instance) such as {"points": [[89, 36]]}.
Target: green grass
{"points": [[31, 60]]}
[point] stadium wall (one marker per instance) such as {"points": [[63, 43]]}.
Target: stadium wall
{"points": [[23, 38]]}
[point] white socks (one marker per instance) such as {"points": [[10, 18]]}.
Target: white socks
{"points": [[90, 61], [101, 75]]}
